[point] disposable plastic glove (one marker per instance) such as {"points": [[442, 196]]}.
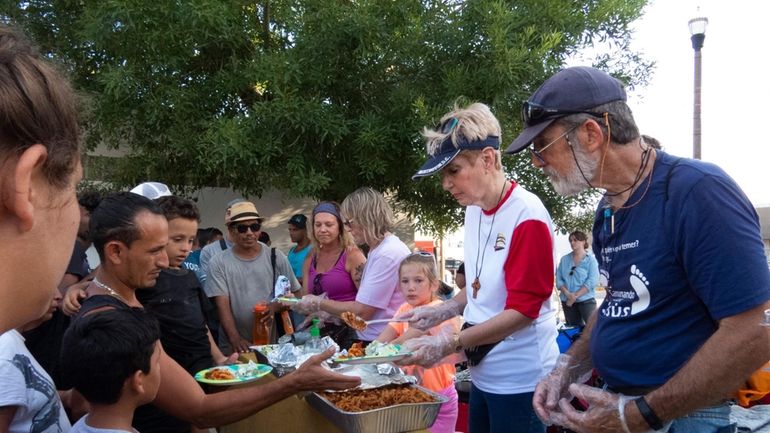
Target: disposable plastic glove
{"points": [[323, 318], [554, 386], [428, 350], [427, 317], [308, 304], [605, 411]]}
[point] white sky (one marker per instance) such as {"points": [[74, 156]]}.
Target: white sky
{"points": [[735, 89]]}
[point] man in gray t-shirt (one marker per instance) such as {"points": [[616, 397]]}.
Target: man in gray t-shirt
{"points": [[242, 276]]}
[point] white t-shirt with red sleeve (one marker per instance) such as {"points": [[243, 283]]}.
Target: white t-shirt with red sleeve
{"points": [[515, 267]]}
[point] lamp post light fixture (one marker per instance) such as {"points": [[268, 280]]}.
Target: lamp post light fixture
{"points": [[698, 35]]}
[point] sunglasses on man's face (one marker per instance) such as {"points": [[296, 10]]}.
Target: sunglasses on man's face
{"points": [[533, 113], [243, 228]]}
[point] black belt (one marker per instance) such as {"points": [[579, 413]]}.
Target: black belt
{"points": [[632, 390]]}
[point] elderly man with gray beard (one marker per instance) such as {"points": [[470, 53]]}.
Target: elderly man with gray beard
{"points": [[680, 252]]}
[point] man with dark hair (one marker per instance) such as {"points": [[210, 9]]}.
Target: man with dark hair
{"points": [[244, 275], [178, 302], [130, 234], [298, 252], [680, 330], [112, 358]]}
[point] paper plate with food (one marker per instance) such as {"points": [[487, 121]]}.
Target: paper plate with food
{"points": [[375, 353], [234, 374]]}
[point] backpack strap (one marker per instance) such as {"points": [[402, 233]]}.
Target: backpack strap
{"points": [[222, 244], [272, 265]]}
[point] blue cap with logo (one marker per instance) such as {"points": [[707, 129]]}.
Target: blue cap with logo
{"points": [[450, 147], [569, 91]]}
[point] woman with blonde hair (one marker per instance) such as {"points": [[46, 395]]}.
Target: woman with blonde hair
{"points": [[368, 218], [333, 266], [509, 335]]}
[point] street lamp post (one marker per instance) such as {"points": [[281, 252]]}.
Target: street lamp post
{"points": [[698, 35]]}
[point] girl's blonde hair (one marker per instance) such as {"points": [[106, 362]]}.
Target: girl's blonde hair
{"points": [[369, 209], [425, 261]]}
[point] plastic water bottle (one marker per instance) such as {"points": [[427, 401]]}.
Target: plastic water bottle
{"points": [[260, 331], [313, 344]]}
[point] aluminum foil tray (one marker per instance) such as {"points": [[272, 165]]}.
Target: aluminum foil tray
{"points": [[391, 419]]}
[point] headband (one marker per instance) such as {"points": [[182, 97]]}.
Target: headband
{"points": [[326, 207]]}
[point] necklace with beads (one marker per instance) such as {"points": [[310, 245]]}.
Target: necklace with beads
{"points": [[110, 291]]}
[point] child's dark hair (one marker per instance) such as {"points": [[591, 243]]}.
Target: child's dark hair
{"points": [[102, 349], [264, 237], [178, 207], [205, 236], [89, 199]]}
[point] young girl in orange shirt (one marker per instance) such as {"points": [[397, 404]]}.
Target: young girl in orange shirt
{"points": [[418, 282]]}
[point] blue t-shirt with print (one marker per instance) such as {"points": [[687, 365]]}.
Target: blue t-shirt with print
{"points": [[687, 255]]}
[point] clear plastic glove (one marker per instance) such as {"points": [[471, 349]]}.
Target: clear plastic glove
{"points": [[427, 317], [308, 304], [323, 318], [605, 411], [554, 386], [428, 350]]}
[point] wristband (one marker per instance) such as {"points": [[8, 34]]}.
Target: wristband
{"points": [[648, 414]]}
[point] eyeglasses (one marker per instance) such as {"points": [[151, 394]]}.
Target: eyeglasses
{"points": [[421, 254], [572, 271], [533, 113], [539, 153], [348, 223], [243, 228]]}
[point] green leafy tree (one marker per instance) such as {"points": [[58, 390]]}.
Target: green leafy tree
{"points": [[316, 97]]}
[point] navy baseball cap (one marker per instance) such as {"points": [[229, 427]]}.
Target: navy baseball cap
{"points": [[569, 91], [449, 149], [299, 221]]}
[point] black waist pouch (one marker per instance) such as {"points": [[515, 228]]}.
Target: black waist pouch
{"points": [[476, 353]]}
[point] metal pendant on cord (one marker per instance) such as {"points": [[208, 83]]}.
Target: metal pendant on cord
{"points": [[476, 285]]}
